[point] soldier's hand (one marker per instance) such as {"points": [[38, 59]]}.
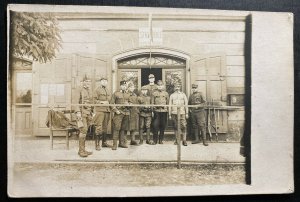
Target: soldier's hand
{"points": [[170, 117], [118, 112], [186, 116], [152, 114]]}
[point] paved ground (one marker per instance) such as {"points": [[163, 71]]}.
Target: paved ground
{"points": [[39, 171], [38, 150]]}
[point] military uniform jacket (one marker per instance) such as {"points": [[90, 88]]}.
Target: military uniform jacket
{"points": [[196, 99], [120, 97], [83, 96], [133, 99], [160, 98], [102, 96], [151, 89], [144, 111], [178, 98]]}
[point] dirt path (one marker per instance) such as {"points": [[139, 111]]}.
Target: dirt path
{"points": [[96, 174]]}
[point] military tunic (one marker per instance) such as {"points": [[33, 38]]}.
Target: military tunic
{"points": [[84, 96], [151, 89], [121, 121], [160, 113], [178, 98], [134, 112], [102, 117], [145, 112], [198, 115]]}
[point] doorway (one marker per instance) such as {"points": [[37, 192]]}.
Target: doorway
{"points": [[157, 72]]}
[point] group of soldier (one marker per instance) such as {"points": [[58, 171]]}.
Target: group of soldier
{"points": [[137, 119]]}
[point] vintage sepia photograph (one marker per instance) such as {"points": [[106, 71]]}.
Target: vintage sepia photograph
{"points": [[123, 101]]}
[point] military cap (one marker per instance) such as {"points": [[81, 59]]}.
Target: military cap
{"points": [[122, 83], [160, 83], [86, 78], [102, 78], [194, 85], [151, 76], [144, 88]]}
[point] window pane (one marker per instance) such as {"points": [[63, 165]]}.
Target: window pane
{"points": [[23, 88], [173, 77]]}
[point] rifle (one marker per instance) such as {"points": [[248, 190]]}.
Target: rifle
{"points": [[209, 122], [216, 123]]}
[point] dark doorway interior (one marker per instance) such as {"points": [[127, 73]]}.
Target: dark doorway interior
{"points": [[157, 72]]}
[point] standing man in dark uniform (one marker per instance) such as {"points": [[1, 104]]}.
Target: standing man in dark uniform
{"points": [[151, 87], [101, 119], [121, 116], [145, 115], [160, 97], [84, 113], [198, 115], [134, 114], [179, 98]]}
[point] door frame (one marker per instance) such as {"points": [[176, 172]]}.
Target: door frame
{"points": [[146, 50]]}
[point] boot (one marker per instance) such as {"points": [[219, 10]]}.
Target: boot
{"points": [[123, 140], [141, 137], [203, 133], [148, 141], [184, 143], [97, 143], [81, 151], [196, 136], [155, 137], [85, 151], [161, 137], [104, 142], [175, 143], [132, 138], [115, 139]]}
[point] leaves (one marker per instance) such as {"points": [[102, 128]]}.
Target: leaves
{"points": [[35, 35]]}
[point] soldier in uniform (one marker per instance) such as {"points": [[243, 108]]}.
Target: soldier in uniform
{"points": [[101, 119], [198, 116], [151, 87], [84, 113], [159, 97], [134, 114], [121, 116], [145, 115], [179, 98]]}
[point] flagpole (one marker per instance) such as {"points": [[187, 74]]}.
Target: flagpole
{"points": [[151, 37]]}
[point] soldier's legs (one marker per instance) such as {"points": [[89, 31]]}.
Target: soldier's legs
{"points": [[98, 121], [163, 123], [195, 128], [183, 129], [156, 126], [117, 121], [82, 135], [141, 126], [104, 134], [175, 120], [132, 137], [202, 123]]}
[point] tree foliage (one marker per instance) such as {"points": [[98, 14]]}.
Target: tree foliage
{"points": [[35, 35]]}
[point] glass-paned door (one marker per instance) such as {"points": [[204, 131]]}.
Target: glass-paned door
{"points": [[130, 76], [23, 103], [172, 77]]}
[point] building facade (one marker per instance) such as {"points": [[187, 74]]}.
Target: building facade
{"points": [[208, 50]]}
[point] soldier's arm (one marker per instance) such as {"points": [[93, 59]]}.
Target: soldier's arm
{"points": [[113, 101], [152, 100], [95, 96]]}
